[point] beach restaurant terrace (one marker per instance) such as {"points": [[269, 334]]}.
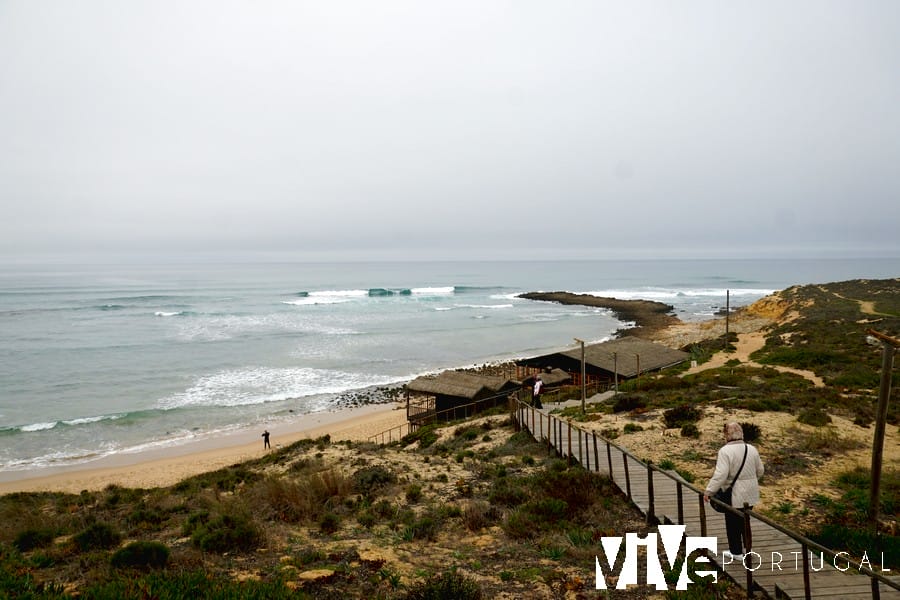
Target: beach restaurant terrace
{"points": [[624, 358]]}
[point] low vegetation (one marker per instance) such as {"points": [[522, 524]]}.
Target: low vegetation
{"points": [[323, 520]]}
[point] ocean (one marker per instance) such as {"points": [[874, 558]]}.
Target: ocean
{"points": [[98, 360]]}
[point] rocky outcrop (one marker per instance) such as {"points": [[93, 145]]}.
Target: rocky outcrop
{"points": [[648, 316]]}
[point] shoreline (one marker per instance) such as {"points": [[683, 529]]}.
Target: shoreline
{"points": [[167, 466]]}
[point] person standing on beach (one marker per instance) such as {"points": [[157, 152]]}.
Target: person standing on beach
{"points": [[265, 437], [744, 489], [538, 390]]}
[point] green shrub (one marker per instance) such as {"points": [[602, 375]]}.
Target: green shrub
{"points": [[366, 519], [426, 436], [33, 538], [141, 554], [98, 536], [413, 493], [610, 433], [519, 524], [468, 434], [369, 480], [681, 415], [449, 585], [690, 430], [628, 402], [548, 509], [226, 533], [751, 431], [814, 416], [477, 515], [329, 523], [424, 528], [194, 521], [632, 428], [505, 492]]}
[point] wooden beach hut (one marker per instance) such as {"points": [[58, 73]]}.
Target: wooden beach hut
{"points": [[454, 394], [624, 358]]}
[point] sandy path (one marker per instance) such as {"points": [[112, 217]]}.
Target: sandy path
{"points": [[747, 344]]}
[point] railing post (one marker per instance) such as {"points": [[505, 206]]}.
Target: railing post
{"points": [[609, 459], [748, 541], [651, 504], [559, 449], [748, 534], [807, 592], [679, 492], [549, 435], [627, 478], [702, 516], [581, 448], [596, 454], [569, 442]]}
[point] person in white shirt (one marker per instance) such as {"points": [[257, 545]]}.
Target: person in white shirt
{"points": [[745, 489], [538, 390]]}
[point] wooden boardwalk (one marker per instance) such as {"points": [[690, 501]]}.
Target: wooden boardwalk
{"points": [[775, 565]]}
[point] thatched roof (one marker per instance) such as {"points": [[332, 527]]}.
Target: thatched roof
{"points": [[552, 377], [621, 356], [459, 384]]}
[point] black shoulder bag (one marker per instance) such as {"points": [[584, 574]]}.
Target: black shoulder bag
{"points": [[724, 494]]}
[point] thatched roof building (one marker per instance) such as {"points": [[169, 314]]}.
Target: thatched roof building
{"points": [[451, 390], [459, 384], [628, 357]]}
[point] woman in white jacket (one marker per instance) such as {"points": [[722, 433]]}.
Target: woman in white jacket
{"points": [[745, 489]]}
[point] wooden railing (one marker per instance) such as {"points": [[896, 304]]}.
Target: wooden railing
{"points": [[462, 411]]}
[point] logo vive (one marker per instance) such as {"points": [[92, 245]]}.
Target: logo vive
{"points": [[671, 537]]}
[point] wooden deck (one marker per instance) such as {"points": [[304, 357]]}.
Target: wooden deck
{"points": [[775, 565]]}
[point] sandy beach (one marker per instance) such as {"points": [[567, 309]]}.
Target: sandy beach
{"points": [[168, 466]]}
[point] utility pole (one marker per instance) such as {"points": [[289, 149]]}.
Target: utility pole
{"points": [[889, 348], [727, 316], [583, 391]]}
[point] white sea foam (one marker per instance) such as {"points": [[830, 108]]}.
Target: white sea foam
{"points": [[313, 300], [160, 313], [432, 291], [475, 306], [265, 384], [39, 426], [86, 420], [488, 306]]}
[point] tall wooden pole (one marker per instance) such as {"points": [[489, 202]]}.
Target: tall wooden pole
{"points": [[583, 389], [889, 348], [727, 315]]}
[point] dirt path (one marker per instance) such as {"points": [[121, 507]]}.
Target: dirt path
{"points": [[866, 307], [747, 344]]}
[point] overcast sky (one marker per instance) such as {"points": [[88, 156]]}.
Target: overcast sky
{"points": [[479, 129]]}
